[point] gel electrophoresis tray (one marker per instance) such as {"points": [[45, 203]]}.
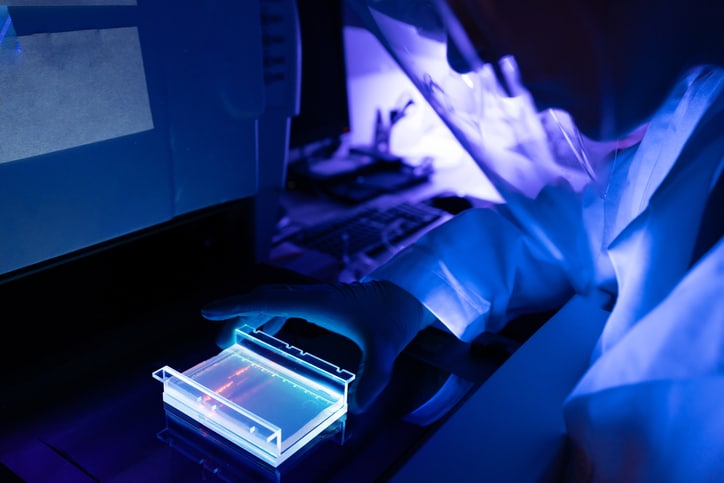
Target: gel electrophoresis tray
{"points": [[268, 398]]}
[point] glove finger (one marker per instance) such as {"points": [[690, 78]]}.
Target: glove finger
{"points": [[226, 335], [326, 305], [273, 325], [373, 375], [273, 300]]}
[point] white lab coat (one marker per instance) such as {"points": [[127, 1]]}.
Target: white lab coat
{"points": [[651, 405]]}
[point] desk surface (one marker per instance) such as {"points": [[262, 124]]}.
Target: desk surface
{"points": [[508, 427], [104, 427], [511, 429]]}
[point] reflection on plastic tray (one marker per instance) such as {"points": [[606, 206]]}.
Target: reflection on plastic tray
{"points": [[261, 394]]}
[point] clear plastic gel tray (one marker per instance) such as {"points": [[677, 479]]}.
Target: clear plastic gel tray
{"points": [[263, 395]]}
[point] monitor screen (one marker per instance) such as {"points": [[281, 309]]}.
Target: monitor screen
{"points": [[117, 118], [324, 111]]}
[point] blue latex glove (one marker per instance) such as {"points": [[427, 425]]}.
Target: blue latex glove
{"points": [[380, 317]]}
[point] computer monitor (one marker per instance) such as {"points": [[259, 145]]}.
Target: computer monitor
{"points": [[121, 116], [324, 110]]}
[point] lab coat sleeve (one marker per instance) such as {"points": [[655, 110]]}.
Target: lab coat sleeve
{"points": [[650, 408], [476, 272]]}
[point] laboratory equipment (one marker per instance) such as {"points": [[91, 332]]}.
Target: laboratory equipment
{"points": [[266, 397]]}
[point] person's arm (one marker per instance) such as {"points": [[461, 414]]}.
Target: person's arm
{"points": [[476, 272]]}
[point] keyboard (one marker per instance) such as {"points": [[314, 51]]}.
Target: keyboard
{"points": [[371, 230]]}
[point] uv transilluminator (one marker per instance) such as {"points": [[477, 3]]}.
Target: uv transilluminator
{"points": [[265, 396]]}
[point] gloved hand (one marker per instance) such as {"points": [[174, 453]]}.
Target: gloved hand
{"points": [[378, 316]]}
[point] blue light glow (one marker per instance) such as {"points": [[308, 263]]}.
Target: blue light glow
{"points": [[7, 24]]}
